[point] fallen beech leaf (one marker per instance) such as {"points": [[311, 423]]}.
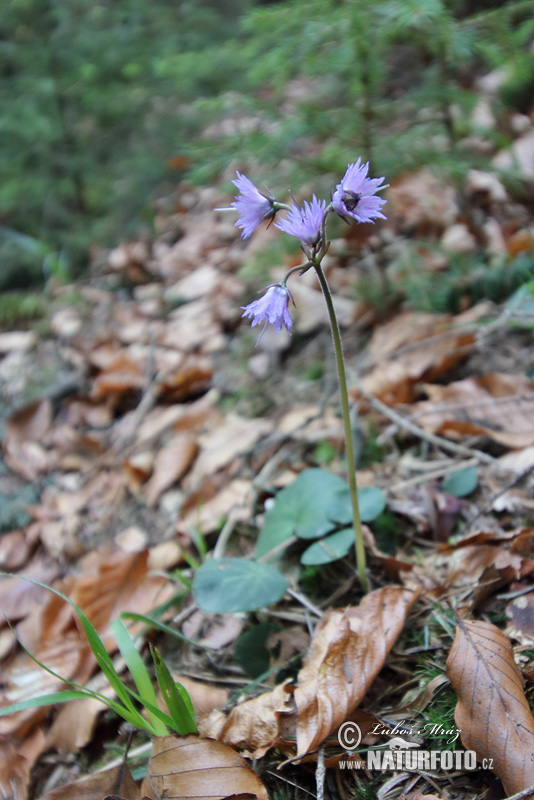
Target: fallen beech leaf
{"points": [[485, 568], [206, 514], [117, 582], [193, 376], [218, 447], [117, 782], [347, 652], [410, 348], [198, 769], [121, 375], [492, 711], [16, 761], [17, 597], [75, 722], [499, 406], [30, 423], [170, 465], [252, 726]]}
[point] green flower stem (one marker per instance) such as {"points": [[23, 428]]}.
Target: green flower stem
{"points": [[349, 447]]}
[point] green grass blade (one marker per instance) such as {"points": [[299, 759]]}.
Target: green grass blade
{"points": [[134, 717], [97, 646], [175, 696], [139, 673], [45, 700]]}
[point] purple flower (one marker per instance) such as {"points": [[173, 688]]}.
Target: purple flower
{"points": [[305, 222], [253, 206], [271, 308], [355, 195]]}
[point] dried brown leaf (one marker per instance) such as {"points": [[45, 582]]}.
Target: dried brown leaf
{"points": [[498, 405], [171, 463], [16, 761], [347, 652], [236, 435], [191, 768], [411, 348], [30, 423], [117, 582], [122, 375], [116, 782], [252, 726], [492, 711]]}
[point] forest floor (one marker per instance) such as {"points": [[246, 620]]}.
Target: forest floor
{"points": [[143, 432]]}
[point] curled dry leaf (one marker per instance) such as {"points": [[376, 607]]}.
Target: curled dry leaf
{"points": [[347, 652], [492, 712], [198, 769], [252, 726]]}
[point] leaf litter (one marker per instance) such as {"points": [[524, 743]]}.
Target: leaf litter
{"points": [[143, 441]]}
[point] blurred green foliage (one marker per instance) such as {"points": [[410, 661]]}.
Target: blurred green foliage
{"points": [[91, 120], [107, 106]]}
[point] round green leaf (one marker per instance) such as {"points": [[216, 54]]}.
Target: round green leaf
{"points": [[227, 585], [332, 547], [371, 502], [300, 509], [461, 483]]}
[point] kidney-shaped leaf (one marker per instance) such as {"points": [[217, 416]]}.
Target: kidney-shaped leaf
{"points": [[332, 547], [371, 501], [492, 712], [228, 585], [300, 509], [461, 483]]}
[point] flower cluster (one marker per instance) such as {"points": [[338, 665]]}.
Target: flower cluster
{"points": [[355, 196]]}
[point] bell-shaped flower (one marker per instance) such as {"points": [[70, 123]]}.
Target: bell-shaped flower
{"points": [[271, 309]]}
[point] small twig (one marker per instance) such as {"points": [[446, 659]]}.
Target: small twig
{"points": [[132, 755], [300, 598], [426, 477], [431, 438], [228, 529], [286, 780], [320, 773], [522, 794]]}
